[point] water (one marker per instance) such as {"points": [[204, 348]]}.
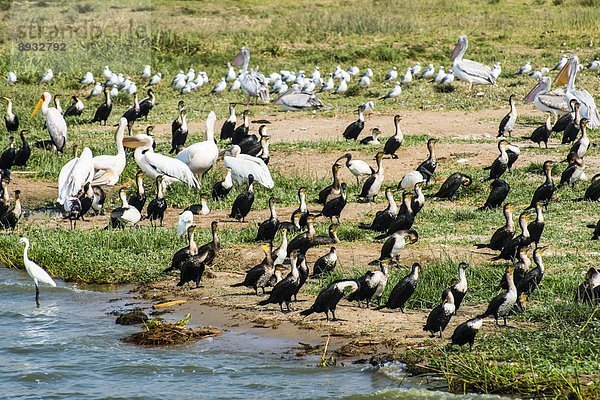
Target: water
{"points": [[71, 348]]}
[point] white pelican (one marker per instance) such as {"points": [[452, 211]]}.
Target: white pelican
{"points": [[524, 69], [186, 219], [242, 165], [155, 164], [108, 169], [74, 175], [546, 101], [472, 72], [55, 122], [587, 107], [252, 83], [47, 77], [11, 78], [201, 156], [146, 72], [87, 79], [294, 100], [35, 271], [392, 75], [394, 92], [561, 63]]}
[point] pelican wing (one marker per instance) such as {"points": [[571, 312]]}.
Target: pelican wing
{"points": [[588, 106], [81, 172], [244, 165], [39, 274], [554, 101], [108, 177], [172, 168], [477, 70]]}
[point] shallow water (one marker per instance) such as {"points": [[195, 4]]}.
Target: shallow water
{"points": [[71, 348]]}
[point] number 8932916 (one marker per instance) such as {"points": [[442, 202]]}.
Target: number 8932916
{"points": [[42, 46]]}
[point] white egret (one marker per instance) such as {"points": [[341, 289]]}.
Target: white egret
{"points": [[35, 272]]}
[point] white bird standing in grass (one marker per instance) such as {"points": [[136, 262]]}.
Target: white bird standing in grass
{"points": [[407, 78], [394, 92], [428, 73], [525, 69], [440, 75], [87, 79], [155, 79], [11, 78], [342, 87], [35, 272], [496, 70], [107, 72], [472, 72], [392, 75], [415, 69], [561, 63], [55, 122], [96, 90], [47, 77], [146, 72], [219, 87]]}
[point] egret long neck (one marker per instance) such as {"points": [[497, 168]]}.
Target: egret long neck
{"points": [[25, 253]]}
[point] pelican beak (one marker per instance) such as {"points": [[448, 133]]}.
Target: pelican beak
{"points": [[131, 142], [37, 107], [533, 93], [455, 51], [238, 60], [563, 75]]}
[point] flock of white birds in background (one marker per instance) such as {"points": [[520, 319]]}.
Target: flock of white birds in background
{"points": [[338, 81]]}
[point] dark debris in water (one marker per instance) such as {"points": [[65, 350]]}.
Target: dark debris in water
{"points": [[134, 317], [159, 333]]}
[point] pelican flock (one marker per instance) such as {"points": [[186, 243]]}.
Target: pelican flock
{"points": [[253, 159]]}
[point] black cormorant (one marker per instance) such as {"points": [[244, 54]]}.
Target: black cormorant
{"points": [[104, 109], [466, 332], [221, 189], [372, 139], [404, 289], [404, 219], [502, 304], [132, 113], [573, 173], [592, 193], [545, 191], [10, 118], [10, 218], [459, 289], [449, 188], [393, 143], [542, 133], [258, 276], [508, 122], [302, 209], [510, 249], [334, 207], [124, 215], [589, 290], [354, 129], [532, 278], [373, 183], [572, 128], [243, 203], [7, 158], [325, 264], [147, 104], [268, 228], [331, 191], [329, 297], [179, 129], [581, 145], [286, 288], [75, 108], [440, 316], [138, 200], [503, 234], [241, 131], [23, 154], [427, 167], [500, 164], [596, 228], [229, 124], [384, 218], [158, 206], [396, 242], [536, 228], [498, 192], [371, 285]]}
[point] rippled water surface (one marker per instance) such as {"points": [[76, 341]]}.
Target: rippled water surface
{"points": [[71, 348]]}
